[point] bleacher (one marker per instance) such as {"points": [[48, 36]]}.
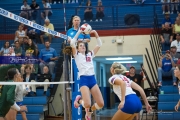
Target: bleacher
{"points": [[114, 10], [114, 18]]}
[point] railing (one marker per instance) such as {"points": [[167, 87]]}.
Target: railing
{"points": [[156, 52]]}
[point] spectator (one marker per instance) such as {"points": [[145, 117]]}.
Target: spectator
{"points": [[47, 35], [167, 19], [35, 9], [166, 68], [174, 6], [34, 67], [166, 37], [44, 77], [175, 56], [176, 42], [5, 49], [165, 6], [47, 57], [25, 10], [34, 34], [88, 15], [31, 47], [28, 76], [100, 11], [75, 27], [137, 78], [24, 27], [47, 12], [17, 49], [176, 27], [20, 34]]}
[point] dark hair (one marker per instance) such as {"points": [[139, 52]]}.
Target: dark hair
{"points": [[70, 22], [47, 41], [5, 44], [11, 72], [24, 1]]}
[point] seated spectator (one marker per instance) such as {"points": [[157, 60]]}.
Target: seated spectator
{"points": [[34, 34], [88, 15], [24, 27], [166, 37], [100, 11], [35, 9], [25, 10], [28, 76], [17, 49], [166, 68], [31, 47], [47, 35], [176, 27], [176, 42], [20, 34], [175, 56], [47, 57], [167, 19], [174, 6], [165, 6], [47, 12], [44, 77], [34, 67], [5, 49]]}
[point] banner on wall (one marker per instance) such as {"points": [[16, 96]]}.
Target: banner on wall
{"points": [[76, 112]]}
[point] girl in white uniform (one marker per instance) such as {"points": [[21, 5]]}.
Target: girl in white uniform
{"points": [[130, 104], [84, 62]]}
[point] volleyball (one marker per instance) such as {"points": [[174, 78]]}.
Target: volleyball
{"points": [[86, 28]]}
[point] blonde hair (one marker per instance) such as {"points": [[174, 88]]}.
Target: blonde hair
{"points": [[76, 17], [118, 68]]}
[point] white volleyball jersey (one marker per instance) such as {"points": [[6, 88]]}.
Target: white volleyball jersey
{"points": [[85, 63], [117, 88]]}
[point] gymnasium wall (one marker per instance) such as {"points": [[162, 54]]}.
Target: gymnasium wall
{"points": [[133, 45]]}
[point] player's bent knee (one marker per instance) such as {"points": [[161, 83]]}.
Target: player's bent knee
{"points": [[99, 105], [87, 105]]}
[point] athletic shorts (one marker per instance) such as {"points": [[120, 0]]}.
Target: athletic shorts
{"points": [[88, 81], [132, 104], [19, 103]]}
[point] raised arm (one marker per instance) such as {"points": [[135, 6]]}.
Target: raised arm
{"points": [[99, 42], [73, 42]]}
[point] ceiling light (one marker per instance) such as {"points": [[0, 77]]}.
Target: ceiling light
{"points": [[126, 61], [120, 58]]}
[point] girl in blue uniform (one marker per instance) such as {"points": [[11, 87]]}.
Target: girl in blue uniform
{"points": [[84, 62], [130, 104]]}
